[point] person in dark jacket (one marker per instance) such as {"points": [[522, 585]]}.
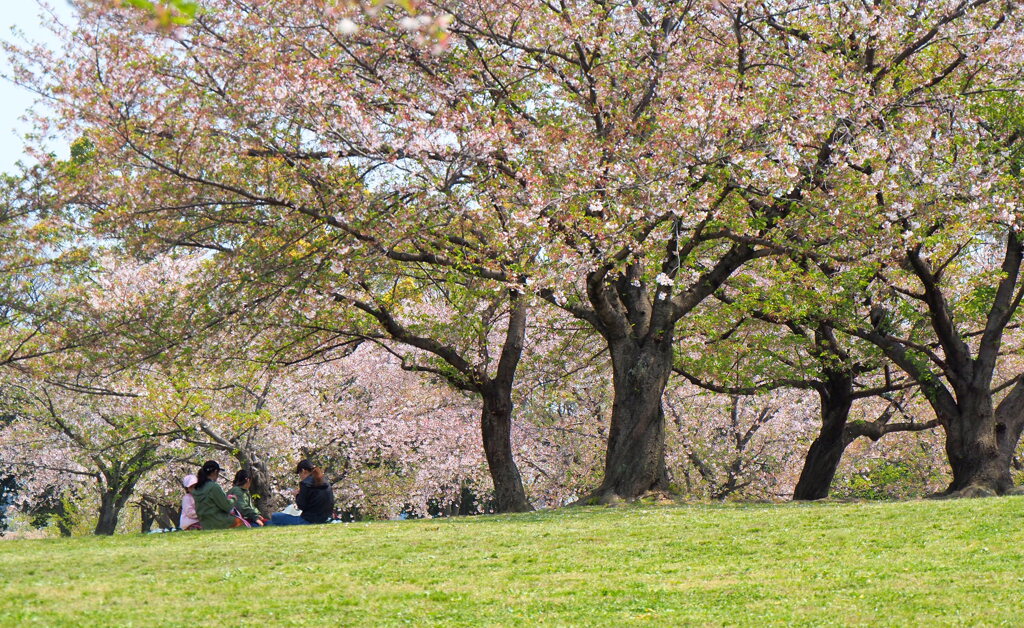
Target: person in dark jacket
{"points": [[313, 497]]}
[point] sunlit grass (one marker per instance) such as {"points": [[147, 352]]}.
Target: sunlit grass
{"points": [[898, 564]]}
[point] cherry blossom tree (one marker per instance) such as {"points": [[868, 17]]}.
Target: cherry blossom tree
{"points": [[754, 342], [100, 412], [925, 226], [692, 140], [471, 337], [981, 433], [347, 260], [620, 161], [744, 446], [390, 439], [110, 439], [935, 283]]}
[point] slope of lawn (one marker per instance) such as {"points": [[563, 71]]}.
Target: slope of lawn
{"points": [[914, 563]]}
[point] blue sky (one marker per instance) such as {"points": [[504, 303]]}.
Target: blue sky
{"points": [[24, 15]]}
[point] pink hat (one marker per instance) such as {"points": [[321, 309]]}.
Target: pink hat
{"points": [[189, 481]]}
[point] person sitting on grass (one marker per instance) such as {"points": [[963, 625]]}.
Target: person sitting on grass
{"points": [[313, 497], [243, 501], [212, 506], [189, 519]]}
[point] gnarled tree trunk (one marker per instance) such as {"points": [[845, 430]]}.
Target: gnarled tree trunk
{"points": [[117, 481], [635, 458], [260, 489], [973, 447], [1010, 421]]}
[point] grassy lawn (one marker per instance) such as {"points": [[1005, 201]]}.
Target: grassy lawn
{"points": [[915, 563]]}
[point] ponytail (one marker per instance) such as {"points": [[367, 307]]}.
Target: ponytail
{"points": [[202, 478], [242, 477], [318, 476], [209, 468]]}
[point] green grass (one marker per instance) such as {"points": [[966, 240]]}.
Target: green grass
{"points": [[929, 563]]}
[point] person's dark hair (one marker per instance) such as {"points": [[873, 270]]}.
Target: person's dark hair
{"points": [[209, 468], [317, 472], [242, 477]]}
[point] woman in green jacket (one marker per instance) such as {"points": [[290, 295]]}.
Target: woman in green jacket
{"points": [[243, 501], [212, 506]]}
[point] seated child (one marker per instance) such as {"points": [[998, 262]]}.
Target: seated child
{"points": [[189, 518], [243, 501]]}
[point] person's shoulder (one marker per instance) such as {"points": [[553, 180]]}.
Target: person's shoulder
{"points": [[209, 487]]}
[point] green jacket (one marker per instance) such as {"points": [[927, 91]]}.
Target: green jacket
{"points": [[243, 502], [213, 507]]}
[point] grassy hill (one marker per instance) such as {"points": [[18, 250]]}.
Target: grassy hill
{"points": [[914, 563]]}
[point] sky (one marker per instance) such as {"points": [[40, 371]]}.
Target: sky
{"points": [[25, 16]]}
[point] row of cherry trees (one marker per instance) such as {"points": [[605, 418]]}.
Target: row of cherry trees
{"points": [[748, 196]]}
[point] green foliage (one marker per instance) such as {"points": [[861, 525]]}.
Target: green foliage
{"points": [[82, 150], [167, 13], [979, 301], [68, 512], [1003, 110], [795, 564], [886, 480]]}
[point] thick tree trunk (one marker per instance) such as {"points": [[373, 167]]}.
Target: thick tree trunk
{"points": [[112, 502], [260, 490], [496, 430], [976, 463], [1010, 420], [822, 460], [973, 446], [826, 451], [635, 459]]}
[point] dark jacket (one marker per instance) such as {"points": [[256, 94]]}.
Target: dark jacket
{"points": [[315, 502]]}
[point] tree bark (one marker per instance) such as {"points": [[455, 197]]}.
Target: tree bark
{"points": [[260, 489], [826, 451], [112, 501], [973, 447], [155, 510], [635, 458], [117, 482], [496, 431], [496, 415], [1010, 420]]}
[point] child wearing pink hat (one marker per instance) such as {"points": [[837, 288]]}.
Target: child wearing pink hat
{"points": [[189, 518]]}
